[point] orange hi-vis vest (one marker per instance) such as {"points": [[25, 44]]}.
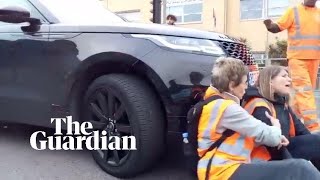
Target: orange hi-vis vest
{"points": [[234, 151], [303, 25], [260, 153]]}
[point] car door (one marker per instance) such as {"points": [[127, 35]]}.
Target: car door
{"points": [[20, 54]]}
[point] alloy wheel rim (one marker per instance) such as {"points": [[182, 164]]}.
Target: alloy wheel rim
{"points": [[108, 113]]}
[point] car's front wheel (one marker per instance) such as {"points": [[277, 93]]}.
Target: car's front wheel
{"points": [[124, 105]]}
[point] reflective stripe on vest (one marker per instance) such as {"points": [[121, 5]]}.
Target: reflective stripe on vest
{"points": [[310, 122], [316, 48], [308, 112], [233, 146], [237, 149], [300, 36], [215, 161], [213, 119], [259, 153], [303, 88], [259, 102]]}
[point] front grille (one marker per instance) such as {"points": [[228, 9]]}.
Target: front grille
{"points": [[238, 51]]}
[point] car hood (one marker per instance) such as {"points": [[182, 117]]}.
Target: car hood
{"points": [[140, 28]]}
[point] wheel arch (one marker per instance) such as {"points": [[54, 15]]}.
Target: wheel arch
{"points": [[107, 63]]}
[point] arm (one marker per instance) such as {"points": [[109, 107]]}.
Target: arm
{"points": [[298, 125], [271, 26], [239, 120], [283, 23], [259, 113]]}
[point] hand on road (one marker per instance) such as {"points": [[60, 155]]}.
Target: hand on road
{"points": [[274, 121]]}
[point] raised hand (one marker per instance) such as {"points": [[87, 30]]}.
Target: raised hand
{"points": [[274, 121], [267, 22]]}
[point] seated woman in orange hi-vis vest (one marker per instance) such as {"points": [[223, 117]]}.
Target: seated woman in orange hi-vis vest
{"points": [[271, 94], [302, 23], [232, 159]]}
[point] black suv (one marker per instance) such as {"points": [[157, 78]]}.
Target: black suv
{"points": [[73, 57]]}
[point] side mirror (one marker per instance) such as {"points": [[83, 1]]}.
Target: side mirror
{"points": [[17, 14]]}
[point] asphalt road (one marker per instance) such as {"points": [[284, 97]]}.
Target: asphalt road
{"points": [[18, 161]]}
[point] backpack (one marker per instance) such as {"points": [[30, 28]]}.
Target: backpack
{"points": [[190, 138]]}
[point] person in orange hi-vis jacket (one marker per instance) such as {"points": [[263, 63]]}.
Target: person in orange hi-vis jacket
{"points": [[303, 25]]}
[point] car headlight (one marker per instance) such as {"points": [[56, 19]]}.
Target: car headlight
{"points": [[184, 44]]}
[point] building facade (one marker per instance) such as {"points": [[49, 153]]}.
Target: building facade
{"points": [[237, 18]]}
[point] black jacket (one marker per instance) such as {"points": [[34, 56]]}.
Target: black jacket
{"points": [[282, 114]]}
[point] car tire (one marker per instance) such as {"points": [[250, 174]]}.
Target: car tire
{"points": [[144, 115]]}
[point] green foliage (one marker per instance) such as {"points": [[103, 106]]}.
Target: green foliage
{"points": [[278, 50], [245, 41]]}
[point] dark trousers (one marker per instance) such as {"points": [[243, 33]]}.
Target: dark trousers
{"points": [[289, 169], [306, 147]]}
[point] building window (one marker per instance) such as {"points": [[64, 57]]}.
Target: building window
{"points": [[186, 11], [260, 58], [277, 7], [131, 16], [258, 9], [251, 9]]}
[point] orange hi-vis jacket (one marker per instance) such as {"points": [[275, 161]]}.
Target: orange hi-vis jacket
{"points": [[234, 151], [260, 153], [303, 25]]}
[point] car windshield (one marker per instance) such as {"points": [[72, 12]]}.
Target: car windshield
{"points": [[80, 11]]}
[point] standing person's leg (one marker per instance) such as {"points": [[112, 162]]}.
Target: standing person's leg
{"points": [[313, 71], [301, 82], [291, 169]]}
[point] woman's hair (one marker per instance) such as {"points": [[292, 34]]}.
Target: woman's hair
{"points": [[226, 70], [264, 80]]}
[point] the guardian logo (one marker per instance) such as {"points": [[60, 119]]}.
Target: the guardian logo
{"points": [[83, 134]]}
